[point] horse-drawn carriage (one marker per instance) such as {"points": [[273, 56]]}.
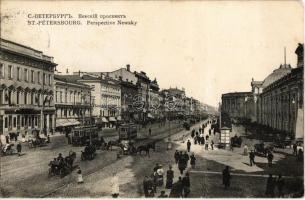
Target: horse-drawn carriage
{"points": [[89, 153], [263, 148], [62, 166], [37, 140], [7, 149], [130, 144]]}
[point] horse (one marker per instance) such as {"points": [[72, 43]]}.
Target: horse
{"points": [[70, 159], [143, 148]]}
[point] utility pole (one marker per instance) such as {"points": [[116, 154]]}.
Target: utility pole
{"points": [[42, 108]]}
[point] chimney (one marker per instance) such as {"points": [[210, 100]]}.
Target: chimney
{"points": [[128, 67]]}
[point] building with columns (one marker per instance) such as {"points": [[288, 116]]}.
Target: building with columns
{"points": [[72, 102], [26, 90], [276, 102]]}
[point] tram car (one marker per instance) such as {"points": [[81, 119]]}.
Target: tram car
{"points": [[128, 131], [82, 135]]}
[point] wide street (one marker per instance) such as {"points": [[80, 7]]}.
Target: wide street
{"points": [[31, 169], [206, 179]]}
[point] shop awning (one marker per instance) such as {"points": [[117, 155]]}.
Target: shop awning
{"points": [[112, 119], [119, 118], [66, 122], [73, 122], [150, 115], [101, 120]]}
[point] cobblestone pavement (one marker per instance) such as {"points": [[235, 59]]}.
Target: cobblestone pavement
{"points": [[27, 175]]}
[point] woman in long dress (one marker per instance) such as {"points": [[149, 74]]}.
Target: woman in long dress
{"points": [[79, 176], [115, 185]]}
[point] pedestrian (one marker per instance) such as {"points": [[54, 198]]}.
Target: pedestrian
{"points": [[226, 177], [202, 140], [280, 185], [300, 156], [193, 133], [295, 149], [210, 131], [186, 185], [245, 150], [160, 173], [177, 189], [270, 186], [193, 161], [48, 139], [176, 155], [79, 176], [270, 158], [146, 186], [186, 158], [149, 131], [188, 145], [181, 164], [206, 145], [206, 137], [163, 195], [19, 148], [252, 157], [156, 167], [169, 178], [195, 140], [212, 145], [115, 185]]}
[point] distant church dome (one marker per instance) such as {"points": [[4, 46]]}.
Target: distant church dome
{"points": [[277, 74]]}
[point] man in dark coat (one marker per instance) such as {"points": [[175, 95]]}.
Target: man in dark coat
{"points": [[146, 186], [177, 156], [186, 185], [169, 178], [193, 161], [19, 147], [270, 186], [226, 177], [270, 158], [176, 191], [252, 157], [280, 185], [181, 164], [295, 149], [188, 145], [212, 145], [210, 131], [186, 158]]}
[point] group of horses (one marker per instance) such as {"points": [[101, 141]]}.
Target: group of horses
{"points": [[131, 148]]}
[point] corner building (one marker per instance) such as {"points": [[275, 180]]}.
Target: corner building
{"points": [[26, 90]]}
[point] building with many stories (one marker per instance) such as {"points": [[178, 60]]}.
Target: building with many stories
{"points": [[276, 102], [26, 90], [73, 102]]}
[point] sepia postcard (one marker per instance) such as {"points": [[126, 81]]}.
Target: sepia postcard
{"points": [[151, 99]]}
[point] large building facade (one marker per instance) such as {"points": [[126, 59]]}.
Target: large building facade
{"points": [[26, 90], [73, 102], [276, 102]]}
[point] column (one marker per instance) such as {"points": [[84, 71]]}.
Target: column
{"points": [[48, 123], [53, 123]]}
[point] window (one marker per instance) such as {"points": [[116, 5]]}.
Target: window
{"points": [[14, 122], [38, 77], [5, 122], [25, 97], [10, 70], [1, 70], [43, 78], [26, 75], [32, 76], [18, 73], [17, 100], [50, 79]]}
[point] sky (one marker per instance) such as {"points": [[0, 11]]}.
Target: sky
{"points": [[207, 47]]}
